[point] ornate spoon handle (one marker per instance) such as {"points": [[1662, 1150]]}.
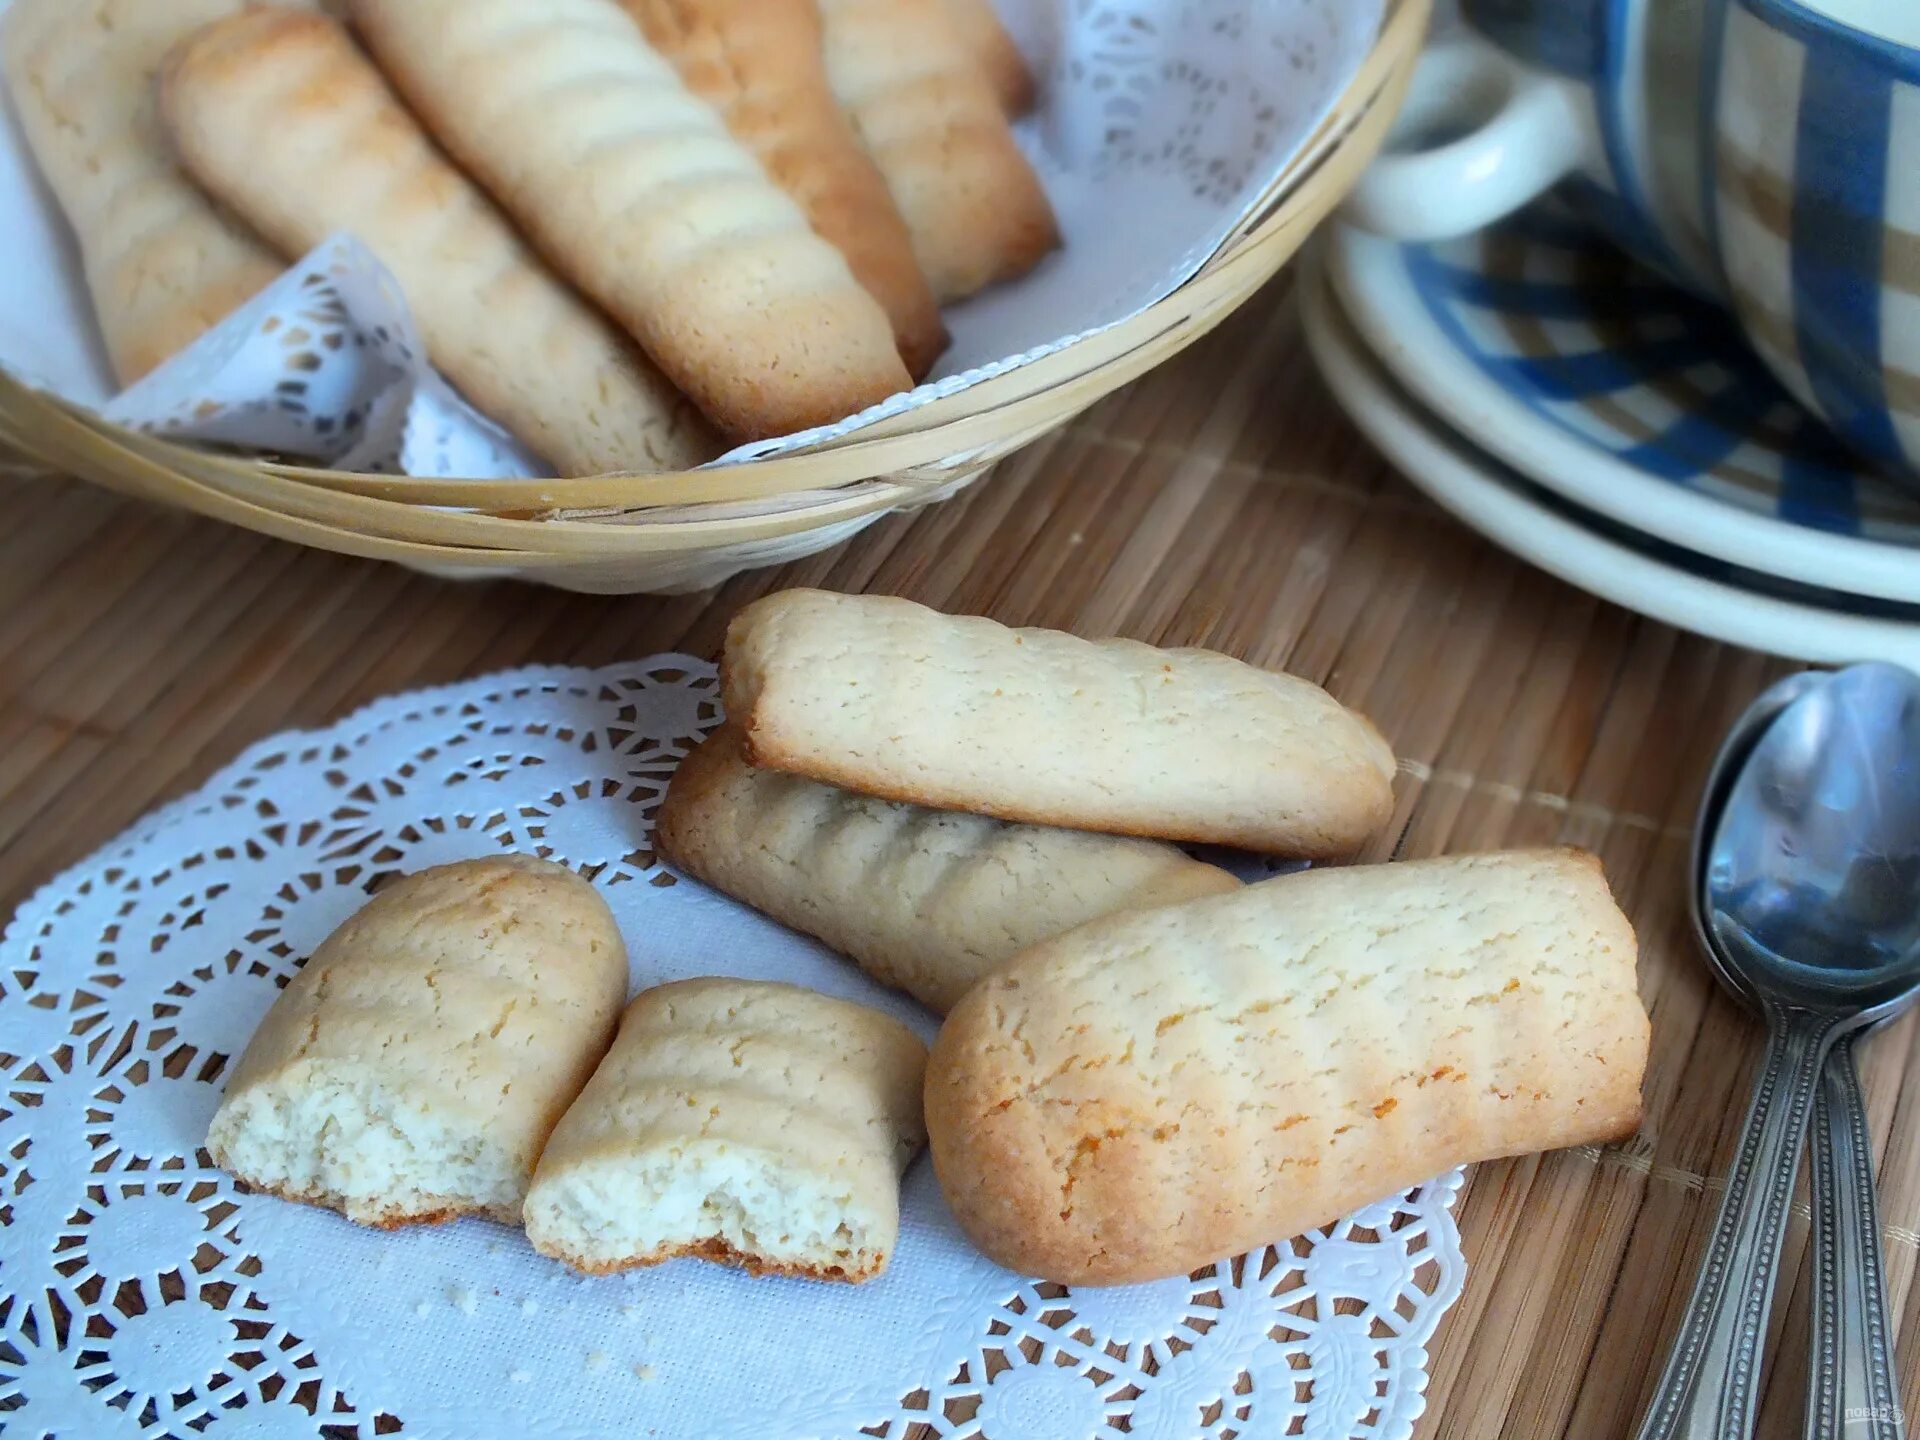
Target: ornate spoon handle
{"points": [[1850, 1385], [1708, 1388]]}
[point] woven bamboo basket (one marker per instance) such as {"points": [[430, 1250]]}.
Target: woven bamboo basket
{"points": [[691, 529]]}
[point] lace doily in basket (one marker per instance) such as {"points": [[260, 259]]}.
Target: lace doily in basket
{"points": [[142, 1295]]}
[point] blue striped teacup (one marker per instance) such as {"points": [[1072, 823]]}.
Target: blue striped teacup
{"points": [[1815, 176], [1766, 153]]}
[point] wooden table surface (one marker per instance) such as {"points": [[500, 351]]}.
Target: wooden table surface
{"points": [[1222, 501]]}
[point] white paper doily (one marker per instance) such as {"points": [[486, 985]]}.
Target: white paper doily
{"points": [[324, 365], [141, 1295]]}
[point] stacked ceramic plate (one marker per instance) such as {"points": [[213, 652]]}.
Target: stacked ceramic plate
{"points": [[1594, 419]]}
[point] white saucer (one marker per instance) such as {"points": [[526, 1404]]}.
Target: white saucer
{"points": [[1518, 516], [1612, 388]]}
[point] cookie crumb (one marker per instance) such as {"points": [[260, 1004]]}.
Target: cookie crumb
{"points": [[422, 1309], [597, 1359], [629, 1311], [463, 1299], [643, 1370], [529, 1306]]}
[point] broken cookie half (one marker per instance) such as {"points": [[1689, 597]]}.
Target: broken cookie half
{"points": [[752, 1123], [413, 1070]]}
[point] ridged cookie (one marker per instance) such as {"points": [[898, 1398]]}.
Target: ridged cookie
{"points": [[758, 63], [893, 699], [986, 40], [283, 117], [412, 1071], [634, 190], [163, 265], [741, 1121], [927, 901], [929, 117], [1159, 1089]]}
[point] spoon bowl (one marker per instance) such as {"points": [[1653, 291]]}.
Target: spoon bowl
{"points": [[1735, 750], [1812, 881]]}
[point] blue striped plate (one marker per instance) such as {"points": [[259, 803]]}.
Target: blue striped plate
{"points": [[1677, 586], [1620, 392]]}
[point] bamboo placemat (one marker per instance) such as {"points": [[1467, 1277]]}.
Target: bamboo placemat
{"points": [[1222, 501]]}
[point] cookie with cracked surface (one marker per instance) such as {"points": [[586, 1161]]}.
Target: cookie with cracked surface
{"points": [[1158, 1089], [957, 712]]}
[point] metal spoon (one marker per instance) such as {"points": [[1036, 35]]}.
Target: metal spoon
{"points": [[1850, 1377], [1811, 905]]}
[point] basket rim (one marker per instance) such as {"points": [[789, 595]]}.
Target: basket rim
{"points": [[907, 457]]}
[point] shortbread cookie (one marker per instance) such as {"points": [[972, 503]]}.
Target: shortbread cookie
{"points": [[929, 117], [1158, 1089], [742, 1121], [758, 63], [635, 191], [163, 265], [893, 699], [926, 901], [414, 1069], [986, 39], [284, 118]]}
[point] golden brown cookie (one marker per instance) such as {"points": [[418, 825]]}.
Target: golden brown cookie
{"points": [[929, 117], [986, 39], [1161, 1088], [758, 62], [957, 712]]}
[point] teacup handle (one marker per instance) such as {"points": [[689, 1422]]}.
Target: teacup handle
{"points": [[1523, 129]]}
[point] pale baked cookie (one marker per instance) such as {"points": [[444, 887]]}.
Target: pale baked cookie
{"points": [[163, 265], [893, 699], [758, 63], [635, 191], [986, 39], [926, 901], [412, 1071], [1159, 1089], [742, 1121], [929, 117], [284, 118]]}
